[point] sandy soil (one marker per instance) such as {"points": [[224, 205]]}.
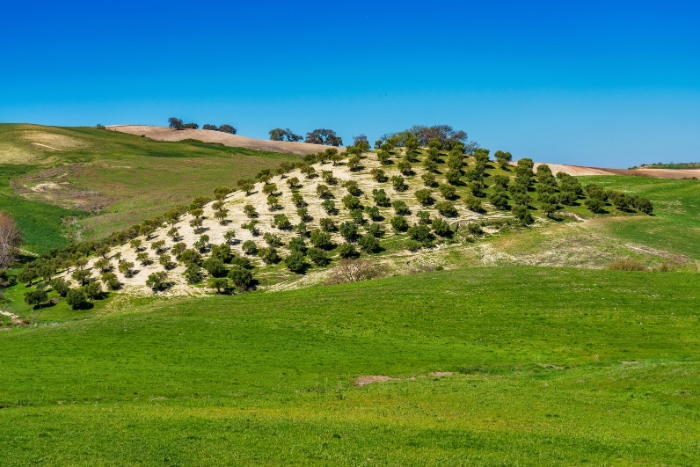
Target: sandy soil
{"points": [[209, 136]]}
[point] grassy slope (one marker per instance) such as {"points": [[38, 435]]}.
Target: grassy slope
{"points": [[264, 379], [675, 227], [142, 177], [40, 222]]}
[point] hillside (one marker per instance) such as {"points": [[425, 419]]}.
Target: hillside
{"points": [[105, 179], [210, 136]]}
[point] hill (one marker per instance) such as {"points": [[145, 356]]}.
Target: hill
{"points": [[119, 179], [210, 136]]}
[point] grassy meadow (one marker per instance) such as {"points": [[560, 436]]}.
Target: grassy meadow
{"points": [[551, 366]]}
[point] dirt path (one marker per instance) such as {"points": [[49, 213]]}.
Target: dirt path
{"points": [[209, 136]]}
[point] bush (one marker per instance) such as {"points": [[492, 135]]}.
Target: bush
{"points": [[351, 202], [400, 207], [352, 187], [420, 233], [191, 257], [193, 274], [77, 299], [110, 280], [354, 270], [166, 261], [61, 286], [473, 204], [595, 205], [157, 281], [281, 221], [380, 197], [178, 249], [452, 176], [92, 290], [441, 228], [81, 276], [368, 243], [269, 255], [218, 283], [348, 230], [375, 229], [412, 245], [644, 205], [499, 199], [378, 175], [372, 212], [35, 297], [347, 250], [398, 182], [223, 252], [399, 224], [626, 264], [318, 256], [447, 191], [241, 277], [522, 214], [295, 262], [297, 244], [424, 196], [126, 268], [272, 239], [329, 206], [446, 208], [428, 179], [215, 267], [321, 239]]}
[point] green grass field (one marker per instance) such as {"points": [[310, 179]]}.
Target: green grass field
{"points": [[552, 366], [675, 226]]}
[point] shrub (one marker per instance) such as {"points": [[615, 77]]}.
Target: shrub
{"points": [[103, 264], [368, 243], [165, 260], [269, 255], [297, 244], [218, 283], [398, 183], [378, 175], [424, 196], [473, 203], [452, 176], [447, 191], [318, 257], [428, 179], [347, 250], [380, 197], [595, 205], [412, 245], [281, 221], [352, 187], [474, 229], [126, 268], [354, 270], [241, 277], [329, 206], [250, 211], [191, 256], [272, 239], [298, 200], [35, 297], [372, 212], [77, 299], [321, 239], [399, 224], [405, 167], [441, 227], [303, 214], [295, 262], [375, 229], [644, 205], [351, 202], [499, 199], [354, 163], [110, 280], [157, 281], [92, 290], [61, 286], [477, 188], [420, 233], [424, 217], [522, 214], [446, 208], [348, 230], [214, 266], [626, 264], [193, 274], [400, 207]]}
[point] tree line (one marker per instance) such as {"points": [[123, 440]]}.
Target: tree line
{"points": [[176, 124]]}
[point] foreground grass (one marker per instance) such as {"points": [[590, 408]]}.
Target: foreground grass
{"points": [[675, 225], [266, 379]]}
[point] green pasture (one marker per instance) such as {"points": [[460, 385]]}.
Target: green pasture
{"points": [[552, 366], [675, 225]]}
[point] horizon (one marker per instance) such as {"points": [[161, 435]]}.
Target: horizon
{"points": [[610, 86]]}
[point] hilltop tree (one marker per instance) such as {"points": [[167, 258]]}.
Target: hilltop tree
{"points": [[226, 128], [278, 134], [175, 123], [324, 136]]}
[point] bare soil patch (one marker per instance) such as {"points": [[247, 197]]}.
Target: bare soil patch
{"points": [[365, 380], [577, 170], [209, 136]]}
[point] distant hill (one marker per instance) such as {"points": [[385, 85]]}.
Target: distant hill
{"points": [[210, 136]]}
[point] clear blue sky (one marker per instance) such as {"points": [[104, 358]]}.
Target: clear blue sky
{"points": [[609, 83]]}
